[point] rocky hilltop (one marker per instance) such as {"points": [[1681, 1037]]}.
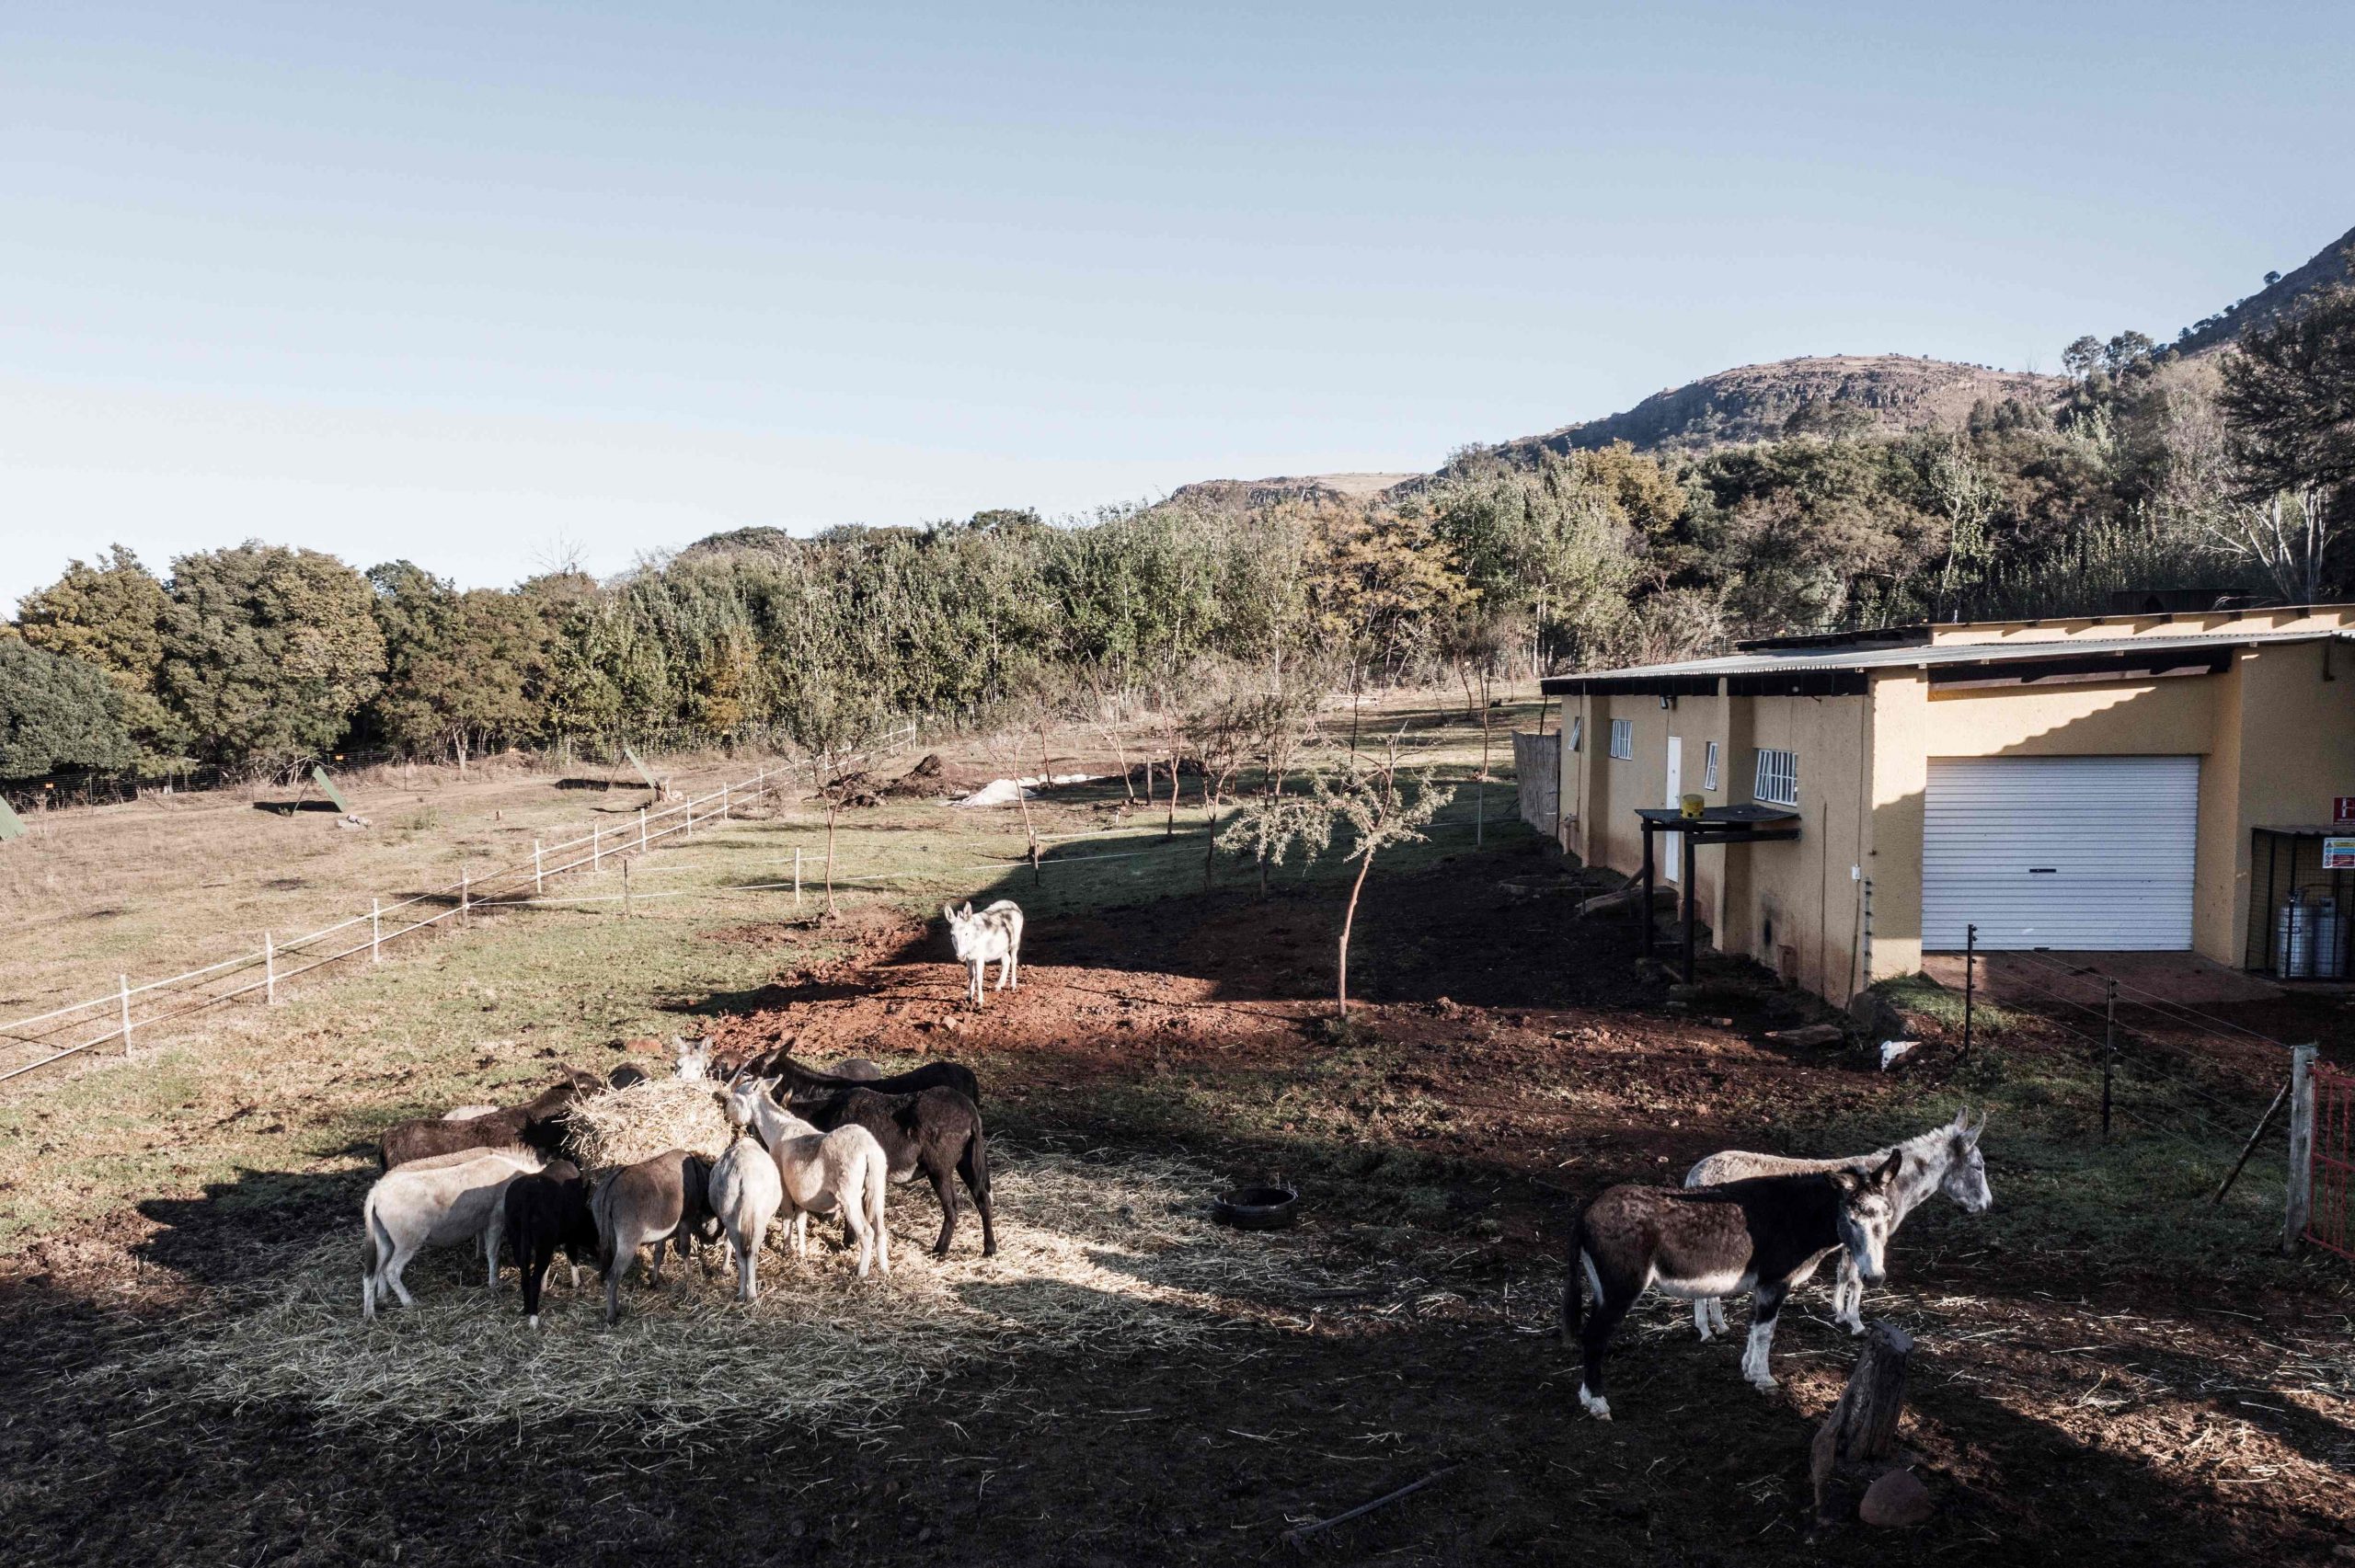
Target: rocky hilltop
{"points": [[1750, 403], [1241, 495]]}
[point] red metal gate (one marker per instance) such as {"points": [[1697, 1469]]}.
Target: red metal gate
{"points": [[2333, 1159]]}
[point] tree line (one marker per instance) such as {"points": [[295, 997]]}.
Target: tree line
{"points": [[2230, 473]]}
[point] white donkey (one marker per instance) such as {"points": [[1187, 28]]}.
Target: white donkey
{"points": [[994, 936], [1944, 1160]]}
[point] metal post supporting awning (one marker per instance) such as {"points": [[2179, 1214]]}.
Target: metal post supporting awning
{"points": [[1715, 824]]}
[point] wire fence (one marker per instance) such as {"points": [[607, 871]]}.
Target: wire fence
{"points": [[2194, 1080], [75, 1028]]}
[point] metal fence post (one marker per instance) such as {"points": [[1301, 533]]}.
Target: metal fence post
{"points": [[538, 887], [268, 971], [626, 909], [465, 896], [641, 830], [596, 847], [375, 931], [2108, 1053], [723, 800], [797, 878], [2300, 1208], [125, 979], [1969, 984]]}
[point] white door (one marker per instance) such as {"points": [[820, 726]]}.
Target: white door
{"points": [[1673, 844], [2079, 853]]}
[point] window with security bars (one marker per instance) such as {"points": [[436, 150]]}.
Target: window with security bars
{"points": [[1577, 734], [1778, 777], [1623, 738], [1709, 767]]}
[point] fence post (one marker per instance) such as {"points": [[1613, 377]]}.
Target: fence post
{"points": [[537, 887], [465, 896], [375, 931], [641, 830], [723, 800], [626, 909], [125, 979], [2300, 1208], [2108, 1052], [797, 876], [596, 848], [1970, 984], [268, 971]]}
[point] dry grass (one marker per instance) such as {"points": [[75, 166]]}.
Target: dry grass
{"points": [[622, 1127], [1095, 1256], [167, 883]]}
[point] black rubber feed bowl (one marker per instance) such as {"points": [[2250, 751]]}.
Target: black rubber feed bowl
{"points": [[1257, 1208]]}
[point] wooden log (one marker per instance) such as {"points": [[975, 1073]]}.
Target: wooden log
{"points": [[1626, 897], [1861, 1430]]}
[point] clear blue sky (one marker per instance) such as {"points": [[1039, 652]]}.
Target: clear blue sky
{"points": [[468, 283]]}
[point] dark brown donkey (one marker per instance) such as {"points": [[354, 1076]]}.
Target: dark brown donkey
{"points": [[1764, 1236]]}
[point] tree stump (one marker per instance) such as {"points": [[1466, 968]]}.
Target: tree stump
{"points": [[1858, 1440]]}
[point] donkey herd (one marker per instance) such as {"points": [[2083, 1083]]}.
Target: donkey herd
{"points": [[805, 1141]]}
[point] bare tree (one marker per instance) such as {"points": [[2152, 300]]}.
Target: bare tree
{"points": [[1375, 799], [2289, 404], [2287, 536]]}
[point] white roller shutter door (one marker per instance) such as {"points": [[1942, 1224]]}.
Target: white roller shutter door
{"points": [[2080, 853]]}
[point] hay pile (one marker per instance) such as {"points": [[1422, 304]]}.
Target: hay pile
{"points": [[1094, 1254], [621, 1127]]}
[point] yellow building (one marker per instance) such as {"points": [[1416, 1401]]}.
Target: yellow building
{"points": [[2110, 783]]}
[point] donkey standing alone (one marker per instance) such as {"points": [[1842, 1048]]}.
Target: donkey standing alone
{"points": [[1943, 1159], [1763, 1235], [994, 936]]}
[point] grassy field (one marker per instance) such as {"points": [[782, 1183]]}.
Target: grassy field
{"points": [[453, 1015]]}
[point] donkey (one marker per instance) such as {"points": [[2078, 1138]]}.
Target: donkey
{"points": [[843, 1172], [542, 1124], [994, 936], [538, 1213], [665, 1198], [746, 1192], [439, 1201], [1763, 1235], [937, 1131], [797, 1083], [1944, 1160]]}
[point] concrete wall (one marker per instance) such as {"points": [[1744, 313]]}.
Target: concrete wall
{"points": [[1757, 898], [2296, 752], [2276, 732]]}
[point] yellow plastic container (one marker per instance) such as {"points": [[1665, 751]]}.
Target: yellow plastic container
{"points": [[1691, 804]]}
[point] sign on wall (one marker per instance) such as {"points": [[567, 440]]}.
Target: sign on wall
{"points": [[2338, 854], [2342, 808]]}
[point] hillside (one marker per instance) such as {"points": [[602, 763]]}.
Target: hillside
{"points": [[1241, 495], [2329, 265], [1892, 391]]}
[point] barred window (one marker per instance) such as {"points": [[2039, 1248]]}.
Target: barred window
{"points": [[1709, 767], [1778, 777], [1577, 734], [1623, 738]]}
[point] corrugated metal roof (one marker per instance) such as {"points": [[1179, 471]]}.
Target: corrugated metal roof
{"points": [[2020, 650]]}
